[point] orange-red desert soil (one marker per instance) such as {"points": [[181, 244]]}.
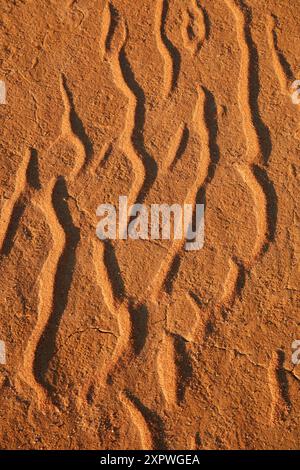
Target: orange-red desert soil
{"points": [[141, 344]]}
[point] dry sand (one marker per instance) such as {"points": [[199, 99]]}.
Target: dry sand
{"points": [[141, 344]]}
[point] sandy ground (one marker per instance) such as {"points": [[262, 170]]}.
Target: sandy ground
{"points": [[141, 344]]}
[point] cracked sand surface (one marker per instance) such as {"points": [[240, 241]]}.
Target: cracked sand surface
{"points": [[140, 344]]}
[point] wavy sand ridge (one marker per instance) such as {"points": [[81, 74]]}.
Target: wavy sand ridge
{"points": [[257, 135], [65, 236]]}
